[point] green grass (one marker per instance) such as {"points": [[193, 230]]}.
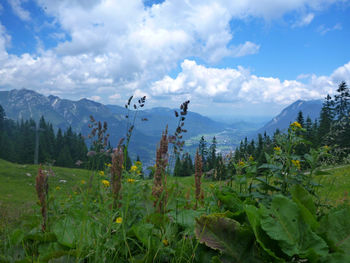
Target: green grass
{"points": [[18, 195], [17, 187]]}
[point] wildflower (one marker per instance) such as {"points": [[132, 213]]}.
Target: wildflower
{"points": [[296, 163], [326, 148], [138, 163], [211, 186], [197, 176], [251, 158], [130, 180], [83, 182], [116, 174], [241, 163], [108, 165], [105, 183], [295, 125], [277, 149], [102, 173], [133, 168], [165, 242], [42, 189], [119, 220], [159, 184], [58, 188], [75, 192]]}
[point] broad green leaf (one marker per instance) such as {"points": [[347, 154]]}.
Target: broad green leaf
{"points": [[228, 236], [263, 239], [144, 233], [65, 231], [306, 205], [336, 228], [283, 222]]}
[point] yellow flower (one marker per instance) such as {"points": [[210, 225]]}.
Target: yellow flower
{"points": [[251, 158], [102, 173], [133, 168], [119, 220], [58, 188], [295, 125], [83, 182], [108, 164], [130, 180], [241, 163], [296, 163], [75, 193], [165, 242], [138, 163], [326, 147], [277, 149], [105, 183], [211, 185]]}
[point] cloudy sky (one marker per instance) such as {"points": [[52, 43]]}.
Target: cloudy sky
{"points": [[241, 58]]}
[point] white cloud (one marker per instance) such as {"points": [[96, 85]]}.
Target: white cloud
{"points": [[17, 8], [95, 98], [305, 20], [322, 29], [120, 47], [232, 85]]}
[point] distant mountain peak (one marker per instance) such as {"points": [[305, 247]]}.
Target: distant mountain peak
{"points": [[309, 108]]}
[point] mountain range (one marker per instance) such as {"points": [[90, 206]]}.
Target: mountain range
{"points": [[62, 113]]}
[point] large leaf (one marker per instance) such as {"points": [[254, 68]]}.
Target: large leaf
{"points": [[306, 205], [228, 236], [283, 222], [336, 229], [254, 217], [66, 231]]}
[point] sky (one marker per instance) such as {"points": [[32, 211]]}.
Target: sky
{"points": [[229, 58]]}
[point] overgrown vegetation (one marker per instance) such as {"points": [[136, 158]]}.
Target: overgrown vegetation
{"points": [[268, 210]]}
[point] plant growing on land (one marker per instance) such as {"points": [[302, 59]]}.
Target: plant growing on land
{"points": [[197, 178], [159, 190], [42, 189]]}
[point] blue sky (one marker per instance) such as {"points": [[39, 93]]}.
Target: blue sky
{"points": [[231, 58]]}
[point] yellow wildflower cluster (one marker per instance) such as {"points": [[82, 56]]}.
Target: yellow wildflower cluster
{"points": [[108, 165], [241, 163], [133, 168], [83, 182], [295, 125], [138, 163], [130, 180], [105, 183], [165, 242], [326, 148], [119, 220], [58, 188], [296, 163], [277, 149], [251, 158], [102, 173]]}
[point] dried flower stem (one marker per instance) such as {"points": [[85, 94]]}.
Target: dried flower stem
{"points": [[116, 172], [42, 189], [159, 185], [197, 178]]}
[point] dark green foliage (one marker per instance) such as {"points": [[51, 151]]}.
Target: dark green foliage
{"points": [[17, 143]]}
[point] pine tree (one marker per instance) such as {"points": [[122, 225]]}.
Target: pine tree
{"points": [[326, 119], [212, 154], [203, 152]]}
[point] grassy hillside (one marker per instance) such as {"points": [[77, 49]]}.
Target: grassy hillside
{"points": [[17, 187], [18, 195]]}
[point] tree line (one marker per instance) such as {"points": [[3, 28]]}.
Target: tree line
{"points": [[18, 142], [332, 129]]}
